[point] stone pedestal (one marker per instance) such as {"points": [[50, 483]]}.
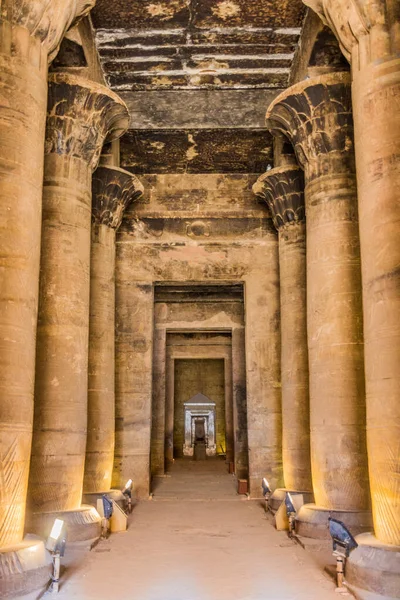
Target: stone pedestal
{"points": [[316, 116], [369, 35], [81, 115], [112, 190], [283, 190], [24, 567]]}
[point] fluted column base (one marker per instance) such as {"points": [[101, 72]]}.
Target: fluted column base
{"points": [[373, 569], [312, 521], [83, 524], [279, 495], [24, 568]]}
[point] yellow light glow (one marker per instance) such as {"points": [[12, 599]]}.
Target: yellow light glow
{"points": [[56, 529]]}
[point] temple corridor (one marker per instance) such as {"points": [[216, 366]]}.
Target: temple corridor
{"points": [[196, 539], [199, 299]]}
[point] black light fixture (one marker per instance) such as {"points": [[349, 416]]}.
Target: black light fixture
{"points": [[127, 492], [107, 512], [343, 543], [55, 544], [291, 512]]}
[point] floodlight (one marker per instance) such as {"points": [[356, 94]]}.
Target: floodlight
{"points": [[55, 544], [57, 539], [291, 512], [265, 487], [343, 543], [127, 492], [107, 514]]}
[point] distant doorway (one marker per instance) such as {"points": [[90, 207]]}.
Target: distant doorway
{"points": [[199, 407]]}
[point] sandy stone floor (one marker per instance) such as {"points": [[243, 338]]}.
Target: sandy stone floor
{"points": [[196, 540]]}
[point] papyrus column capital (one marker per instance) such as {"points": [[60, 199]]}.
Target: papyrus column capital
{"points": [[353, 20], [82, 115], [316, 116], [47, 20], [283, 191], [112, 191]]}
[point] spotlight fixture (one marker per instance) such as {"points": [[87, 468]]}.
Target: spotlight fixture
{"points": [[55, 544], [266, 489], [291, 513], [343, 543], [127, 492], [108, 512]]}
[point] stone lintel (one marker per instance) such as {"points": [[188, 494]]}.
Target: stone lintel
{"points": [[316, 116], [283, 190], [112, 190], [82, 115]]}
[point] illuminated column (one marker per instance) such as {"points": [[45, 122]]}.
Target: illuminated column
{"points": [[81, 115], [369, 35], [30, 33], [316, 116], [283, 190], [112, 190]]}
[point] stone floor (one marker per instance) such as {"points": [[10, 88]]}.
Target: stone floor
{"points": [[196, 540]]}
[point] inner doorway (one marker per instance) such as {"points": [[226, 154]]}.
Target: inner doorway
{"points": [[199, 404]]}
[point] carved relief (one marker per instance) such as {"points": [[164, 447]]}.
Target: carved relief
{"points": [[198, 228], [113, 189], [316, 116], [352, 20], [46, 20], [283, 190], [81, 116]]}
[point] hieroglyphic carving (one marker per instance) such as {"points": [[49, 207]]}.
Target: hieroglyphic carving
{"points": [[112, 190], [352, 20], [81, 116], [316, 116], [46, 20], [283, 190]]}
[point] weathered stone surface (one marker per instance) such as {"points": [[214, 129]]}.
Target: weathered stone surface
{"points": [[196, 151], [369, 34], [316, 116], [204, 109], [112, 190], [283, 190], [188, 249], [46, 21], [29, 37], [81, 115], [190, 44]]}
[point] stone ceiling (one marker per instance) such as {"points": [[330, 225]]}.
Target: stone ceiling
{"points": [[197, 76], [192, 44]]}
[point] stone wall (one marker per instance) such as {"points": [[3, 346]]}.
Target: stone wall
{"points": [[197, 228]]}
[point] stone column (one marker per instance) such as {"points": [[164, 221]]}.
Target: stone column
{"points": [[30, 33], [316, 116], [283, 191], [81, 115], [112, 190], [369, 34]]}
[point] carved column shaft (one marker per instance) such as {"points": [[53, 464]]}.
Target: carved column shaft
{"points": [[369, 34], [80, 116], [113, 189], [283, 190], [316, 116], [29, 35]]}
